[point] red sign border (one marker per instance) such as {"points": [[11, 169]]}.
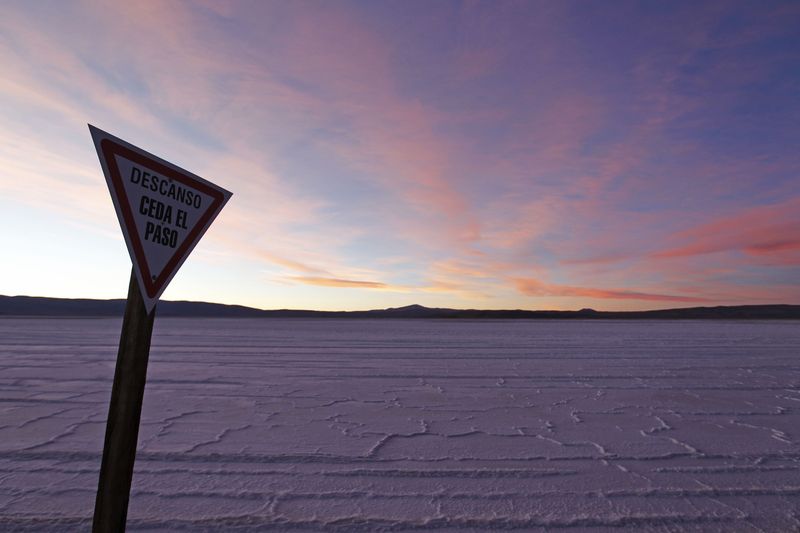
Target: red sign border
{"points": [[153, 286]]}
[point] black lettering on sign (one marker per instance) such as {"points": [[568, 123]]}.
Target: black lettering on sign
{"points": [[169, 237], [160, 235], [166, 187], [155, 209], [180, 219]]}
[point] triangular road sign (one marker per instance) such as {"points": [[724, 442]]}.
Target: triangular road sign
{"points": [[163, 210]]}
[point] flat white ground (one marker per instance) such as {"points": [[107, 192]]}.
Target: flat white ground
{"points": [[303, 425]]}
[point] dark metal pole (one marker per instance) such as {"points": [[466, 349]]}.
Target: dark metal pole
{"points": [[122, 427]]}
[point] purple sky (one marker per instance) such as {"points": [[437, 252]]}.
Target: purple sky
{"points": [[615, 155]]}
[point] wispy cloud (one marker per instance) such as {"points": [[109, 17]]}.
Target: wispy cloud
{"points": [[533, 287], [638, 159], [771, 231], [346, 283]]}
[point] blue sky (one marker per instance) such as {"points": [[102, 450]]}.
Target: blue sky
{"points": [[559, 155]]}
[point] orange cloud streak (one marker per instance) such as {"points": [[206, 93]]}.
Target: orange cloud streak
{"points": [[533, 287], [347, 283], [765, 230]]}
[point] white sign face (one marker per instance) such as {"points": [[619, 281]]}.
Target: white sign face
{"points": [[163, 210]]}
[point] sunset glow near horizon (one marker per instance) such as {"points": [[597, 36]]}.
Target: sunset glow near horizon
{"points": [[535, 155]]}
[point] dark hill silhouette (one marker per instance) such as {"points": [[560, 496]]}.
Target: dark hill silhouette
{"points": [[65, 307]]}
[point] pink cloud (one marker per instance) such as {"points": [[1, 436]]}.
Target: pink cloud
{"points": [[534, 287], [771, 231]]}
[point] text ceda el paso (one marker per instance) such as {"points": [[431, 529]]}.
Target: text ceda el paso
{"points": [[159, 230]]}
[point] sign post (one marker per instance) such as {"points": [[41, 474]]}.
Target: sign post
{"points": [[124, 412], [163, 211]]}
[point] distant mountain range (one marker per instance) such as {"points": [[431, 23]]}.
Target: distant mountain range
{"points": [[64, 307]]}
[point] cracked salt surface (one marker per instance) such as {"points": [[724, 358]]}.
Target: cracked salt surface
{"points": [[309, 425]]}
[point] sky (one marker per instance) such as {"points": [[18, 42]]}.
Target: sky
{"points": [[537, 155]]}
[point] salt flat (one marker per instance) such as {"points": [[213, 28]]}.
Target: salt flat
{"points": [[303, 425]]}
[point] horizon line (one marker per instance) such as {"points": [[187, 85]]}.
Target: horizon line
{"points": [[584, 309]]}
